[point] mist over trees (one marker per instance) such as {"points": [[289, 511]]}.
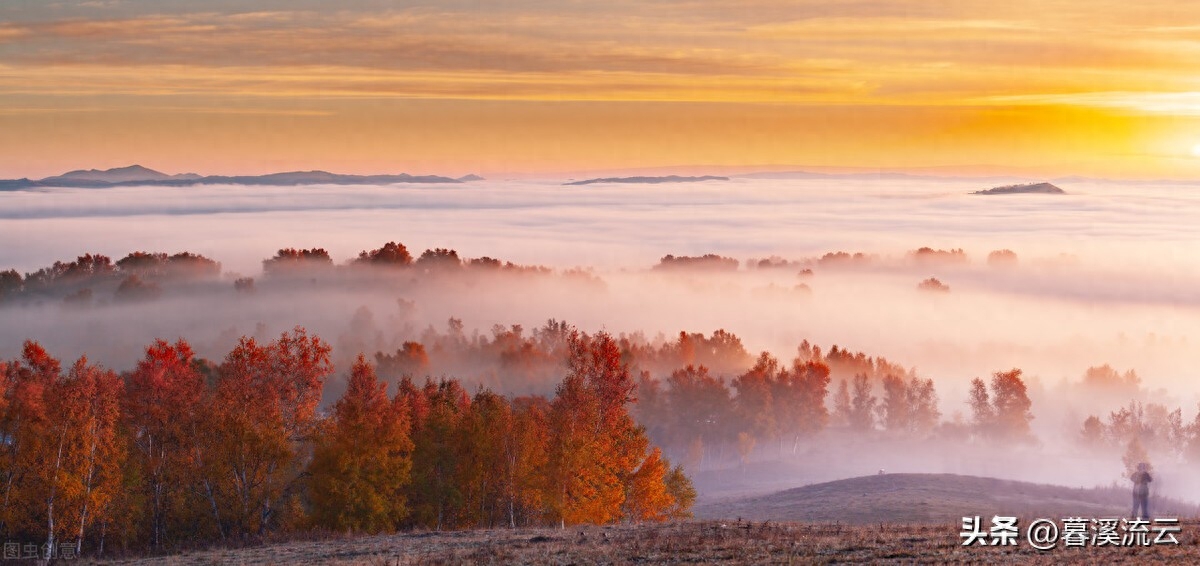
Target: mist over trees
{"points": [[181, 451], [502, 425]]}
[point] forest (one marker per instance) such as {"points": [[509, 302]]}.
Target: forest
{"points": [[293, 435], [182, 450]]}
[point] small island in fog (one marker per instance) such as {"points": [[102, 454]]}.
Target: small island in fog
{"points": [[650, 180], [1028, 188]]}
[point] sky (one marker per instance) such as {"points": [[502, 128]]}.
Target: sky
{"points": [[527, 87]]}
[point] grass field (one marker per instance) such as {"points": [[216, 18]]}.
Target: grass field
{"points": [[899, 518], [696, 542]]}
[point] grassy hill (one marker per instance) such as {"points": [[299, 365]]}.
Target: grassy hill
{"points": [[930, 498]]}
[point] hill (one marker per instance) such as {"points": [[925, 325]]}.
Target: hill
{"points": [[136, 175], [1030, 188], [132, 173], [649, 180], [930, 498]]}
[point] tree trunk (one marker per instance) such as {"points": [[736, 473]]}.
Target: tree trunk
{"points": [[212, 501], [87, 492], [53, 494]]}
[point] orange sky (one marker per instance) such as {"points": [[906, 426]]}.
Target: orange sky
{"points": [[1048, 88]]}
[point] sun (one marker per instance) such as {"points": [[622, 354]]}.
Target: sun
{"points": [[1196, 150]]}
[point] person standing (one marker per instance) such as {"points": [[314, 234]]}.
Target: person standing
{"points": [[1141, 491]]}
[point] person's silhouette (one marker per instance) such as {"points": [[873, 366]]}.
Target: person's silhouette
{"points": [[1141, 491]]}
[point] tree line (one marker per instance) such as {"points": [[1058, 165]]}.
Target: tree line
{"points": [[182, 451], [705, 400], [141, 275]]}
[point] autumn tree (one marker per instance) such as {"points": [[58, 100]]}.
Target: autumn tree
{"points": [[807, 385], [754, 403], [82, 456], [142, 263], [392, 254], [61, 457], [1004, 412], [1011, 405], [647, 497], [682, 492], [595, 445], [436, 412], [410, 360], [25, 428], [361, 464], [483, 472], [526, 450], [263, 424]]}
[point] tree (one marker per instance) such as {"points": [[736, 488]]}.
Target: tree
{"points": [[841, 404], [595, 445], [61, 456], [1092, 434], [83, 457], [410, 360], [526, 450], [754, 404], [862, 404], [25, 428], [292, 260], [681, 490], [392, 254], [1002, 258], [982, 416], [810, 385], [1134, 454], [922, 405], [436, 410], [263, 425], [361, 466], [696, 410], [1003, 414], [894, 411], [745, 447], [1011, 405], [438, 259], [647, 497], [933, 285], [483, 463]]}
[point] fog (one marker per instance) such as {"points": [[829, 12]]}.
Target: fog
{"points": [[1104, 274]]}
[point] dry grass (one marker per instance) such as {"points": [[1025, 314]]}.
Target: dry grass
{"points": [[699, 542]]}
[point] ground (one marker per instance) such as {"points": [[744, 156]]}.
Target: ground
{"points": [[898, 518], [694, 542]]}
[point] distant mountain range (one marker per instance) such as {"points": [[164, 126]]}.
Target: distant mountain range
{"points": [[1029, 188], [649, 180], [135, 175]]}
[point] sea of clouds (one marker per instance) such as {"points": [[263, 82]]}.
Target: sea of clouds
{"points": [[1106, 273]]}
